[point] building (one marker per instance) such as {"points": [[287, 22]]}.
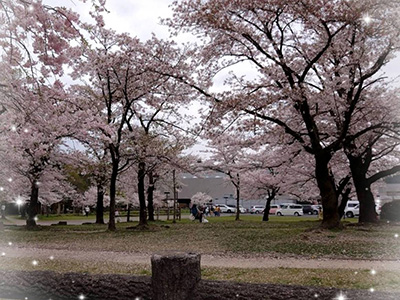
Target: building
{"points": [[218, 186], [390, 190]]}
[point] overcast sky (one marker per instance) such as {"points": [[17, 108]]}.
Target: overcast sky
{"points": [[141, 18]]}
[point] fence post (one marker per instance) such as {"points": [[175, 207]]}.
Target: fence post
{"points": [[175, 276]]}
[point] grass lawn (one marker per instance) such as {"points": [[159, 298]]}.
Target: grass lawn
{"points": [[281, 236]]}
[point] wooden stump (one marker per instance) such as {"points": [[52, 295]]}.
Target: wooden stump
{"points": [[175, 276]]}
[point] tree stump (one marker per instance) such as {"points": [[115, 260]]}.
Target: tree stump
{"points": [[175, 276]]}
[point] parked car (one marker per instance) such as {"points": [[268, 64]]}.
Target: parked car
{"points": [[273, 208], [316, 209], [290, 210], [307, 209], [352, 211], [242, 209], [226, 208], [257, 209]]}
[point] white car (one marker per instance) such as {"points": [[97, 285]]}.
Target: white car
{"points": [[226, 208], [354, 211], [257, 209], [290, 210], [242, 209]]}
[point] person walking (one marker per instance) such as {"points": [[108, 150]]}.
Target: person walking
{"points": [[87, 211]]}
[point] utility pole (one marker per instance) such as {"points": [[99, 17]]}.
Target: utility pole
{"points": [[174, 180]]}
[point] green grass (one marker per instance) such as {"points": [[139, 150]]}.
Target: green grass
{"points": [[281, 235], [342, 279]]}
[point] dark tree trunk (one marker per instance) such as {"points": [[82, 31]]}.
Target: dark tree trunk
{"points": [[128, 215], [150, 192], [100, 205], [175, 276], [237, 202], [327, 190], [113, 189], [345, 198], [141, 193], [33, 205], [266, 210], [271, 196], [359, 167], [367, 208]]}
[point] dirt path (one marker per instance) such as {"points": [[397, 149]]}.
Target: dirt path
{"points": [[207, 260]]}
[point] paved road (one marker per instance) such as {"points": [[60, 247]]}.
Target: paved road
{"points": [[10, 220], [209, 260]]}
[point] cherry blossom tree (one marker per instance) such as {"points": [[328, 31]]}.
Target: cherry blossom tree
{"points": [[227, 156], [34, 53], [200, 199], [291, 46]]}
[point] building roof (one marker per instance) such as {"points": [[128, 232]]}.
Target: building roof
{"points": [[214, 186]]}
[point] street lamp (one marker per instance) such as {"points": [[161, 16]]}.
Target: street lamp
{"points": [[19, 202]]}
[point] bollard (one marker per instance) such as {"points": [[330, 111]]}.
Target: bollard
{"points": [[175, 276], [1, 226]]}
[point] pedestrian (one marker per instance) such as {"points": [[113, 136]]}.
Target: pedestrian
{"points": [[194, 211], [212, 210], [117, 219], [207, 211], [217, 211], [87, 211], [200, 213]]}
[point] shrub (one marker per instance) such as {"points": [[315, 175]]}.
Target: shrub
{"points": [[391, 211]]}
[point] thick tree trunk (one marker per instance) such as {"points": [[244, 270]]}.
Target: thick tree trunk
{"points": [[237, 203], [141, 194], [33, 205], [345, 198], [367, 205], [359, 169], [150, 192], [100, 205], [270, 197], [113, 189], [175, 276], [327, 191]]}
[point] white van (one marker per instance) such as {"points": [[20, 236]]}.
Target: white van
{"points": [[290, 210]]}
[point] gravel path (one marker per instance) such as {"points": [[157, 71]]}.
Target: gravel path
{"points": [[226, 261]]}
